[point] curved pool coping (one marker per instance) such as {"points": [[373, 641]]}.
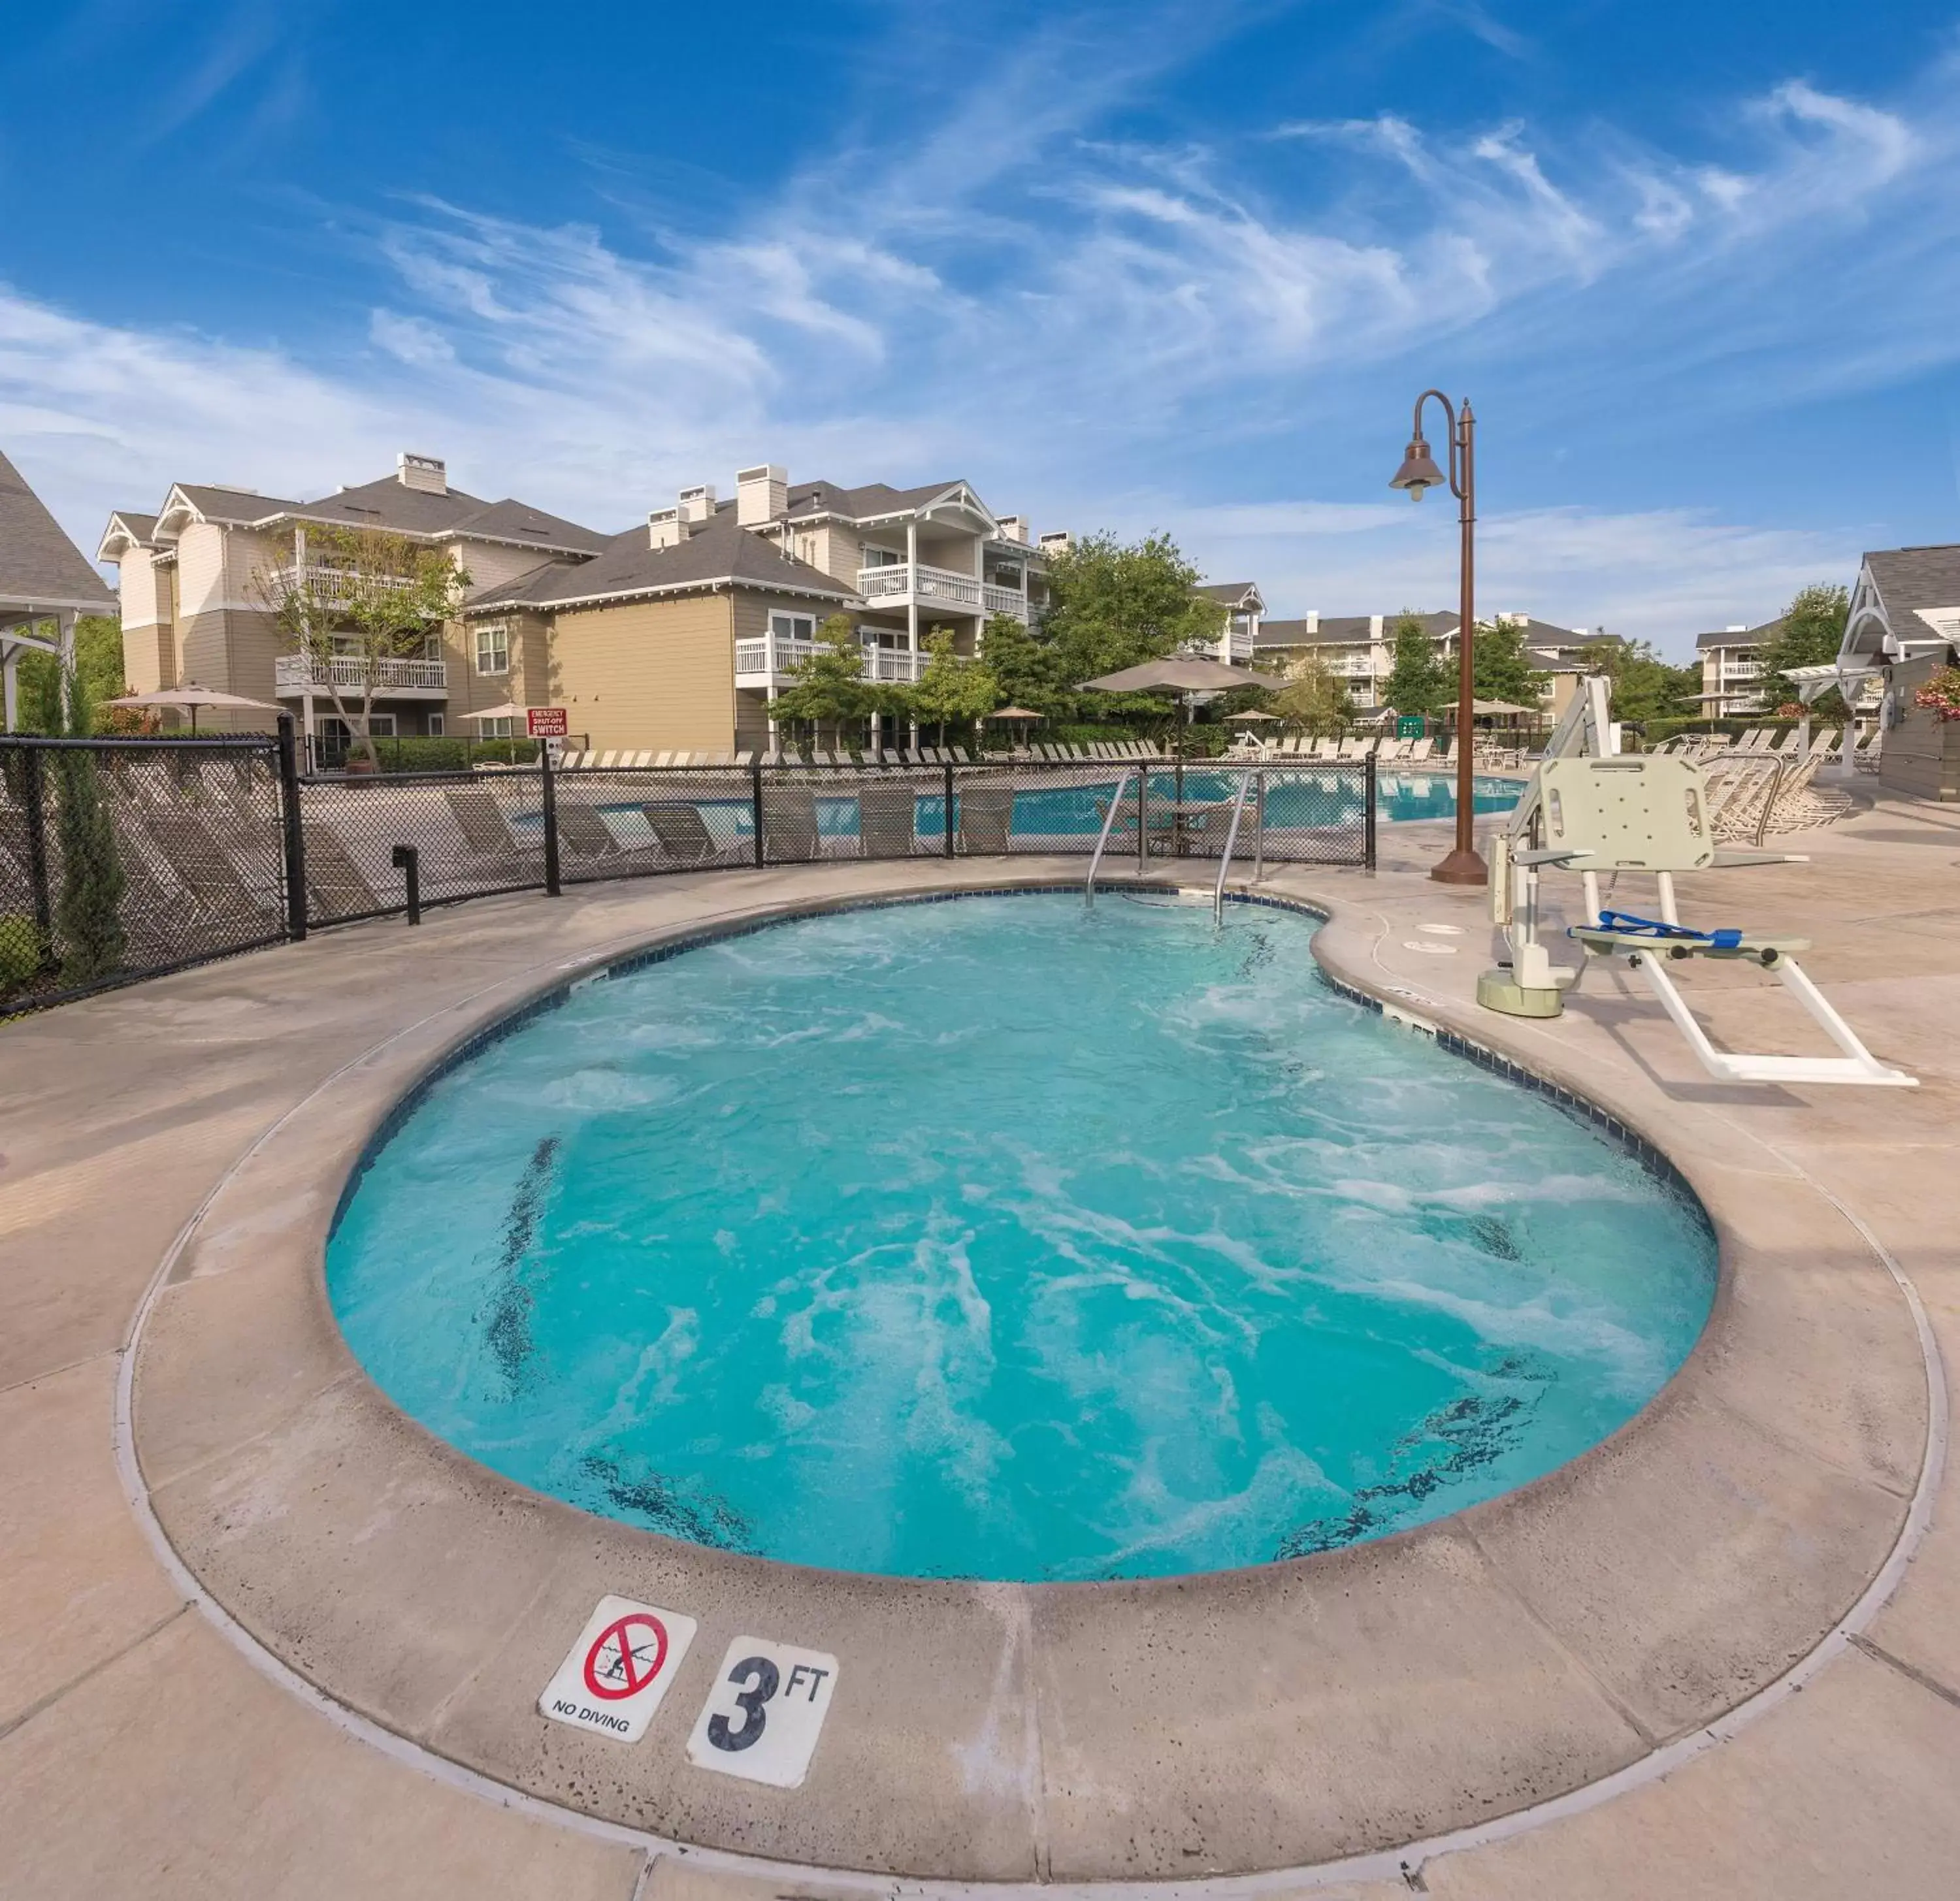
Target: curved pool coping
{"points": [[1300, 1720]]}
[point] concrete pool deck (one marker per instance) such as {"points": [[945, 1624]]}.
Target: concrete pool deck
{"points": [[1386, 1694]]}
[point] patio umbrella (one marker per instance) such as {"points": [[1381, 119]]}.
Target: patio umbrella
{"points": [[1493, 708], [1014, 712], [506, 711], [191, 696], [1182, 676]]}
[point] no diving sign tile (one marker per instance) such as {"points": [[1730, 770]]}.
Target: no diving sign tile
{"points": [[613, 1678], [763, 1718]]}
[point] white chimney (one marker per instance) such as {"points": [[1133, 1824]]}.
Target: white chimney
{"points": [[697, 504], [428, 475], [664, 528], [762, 495], [1739, 627], [1014, 528], [1058, 541], [1375, 626], [1313, 620]]}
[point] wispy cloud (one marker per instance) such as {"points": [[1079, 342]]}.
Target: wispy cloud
{"points": [[1019, 295]]}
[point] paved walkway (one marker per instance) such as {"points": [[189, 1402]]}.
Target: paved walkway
{"points": [[140, 1754]]}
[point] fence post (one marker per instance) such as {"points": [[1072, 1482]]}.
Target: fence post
{"points": [[1368, 813], [408, 861], [949, 808], [549, 781], [294, 832], [756, 806], [37, 850]]}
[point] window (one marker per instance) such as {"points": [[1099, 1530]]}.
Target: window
{"points": [[879, 557], [435, 726], [493, 650], [805, 549], [792, 627], [495, 728]]}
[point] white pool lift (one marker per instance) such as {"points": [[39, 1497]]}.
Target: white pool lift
{"points": [[1592, 808]]}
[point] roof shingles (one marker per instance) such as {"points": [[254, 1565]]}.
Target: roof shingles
{"points": [[40, 567]]}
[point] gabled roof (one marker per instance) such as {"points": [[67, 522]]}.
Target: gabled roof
{"points": [[390, 503], [126, 530], [1230, 594], [1344, 630], [1730, 637], [719, 553], [1911, 578], [40, 567], [877, 500]]}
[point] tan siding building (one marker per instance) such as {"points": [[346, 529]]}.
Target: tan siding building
{"points": [[658, 674]]}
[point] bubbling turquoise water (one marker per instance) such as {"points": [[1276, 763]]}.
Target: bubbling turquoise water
{"points": [[1000, 1238]]}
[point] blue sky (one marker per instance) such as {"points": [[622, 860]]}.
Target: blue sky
{"points": [[1147, 265]]}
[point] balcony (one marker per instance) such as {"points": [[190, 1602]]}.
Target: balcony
{"points": [[295, 673], [893, 587], [766, 662], [325, 582]]}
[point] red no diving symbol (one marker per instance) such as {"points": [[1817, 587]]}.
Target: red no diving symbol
{"points": [[618, 1664]]}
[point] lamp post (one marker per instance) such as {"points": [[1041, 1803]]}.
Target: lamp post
{"points": [[1417, 473]]}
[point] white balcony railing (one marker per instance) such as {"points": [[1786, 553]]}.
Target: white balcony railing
{"points": [[297, 673], [893, 587], [325, 582], [765, 662]]}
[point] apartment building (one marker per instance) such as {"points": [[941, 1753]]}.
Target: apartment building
{"points": [[676, 633], [1731, 669], [1245, 610], [1359, 650], [192, 578]]}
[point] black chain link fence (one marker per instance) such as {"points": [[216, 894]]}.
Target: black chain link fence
{"points": [[122, 859]]}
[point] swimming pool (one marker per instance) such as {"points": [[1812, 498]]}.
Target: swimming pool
{"points": [[1304, 801], [1001, 1238]]}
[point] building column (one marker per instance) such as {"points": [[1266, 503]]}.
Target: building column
{"points": [[912, 609], [10, 684]]}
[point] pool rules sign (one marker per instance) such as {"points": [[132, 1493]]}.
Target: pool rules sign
{"points": [[613, 1679]]}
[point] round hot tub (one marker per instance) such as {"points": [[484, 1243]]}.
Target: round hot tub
{"points": [[1006, 1239]]}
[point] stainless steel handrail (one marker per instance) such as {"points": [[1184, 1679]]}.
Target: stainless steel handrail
{"points": [[1108, 819], [1231, 840]]}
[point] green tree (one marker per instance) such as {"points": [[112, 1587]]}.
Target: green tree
{"points": [[98, 660], [830, 686], [1810, 634], [93, 880], [953, 686], [1314, 697], [354, 598], [1500, 669], [1417, 682], [1112, 605], [1024, 666], [1644, 686]]}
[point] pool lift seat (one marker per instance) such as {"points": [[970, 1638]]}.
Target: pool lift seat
{"points": [[1591, 808]]}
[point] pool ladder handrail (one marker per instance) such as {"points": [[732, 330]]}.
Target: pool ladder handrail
{"points": [[1231, 842], [1109, 820]]}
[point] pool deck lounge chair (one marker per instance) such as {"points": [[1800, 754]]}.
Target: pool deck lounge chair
{"points": [[887, 818]]}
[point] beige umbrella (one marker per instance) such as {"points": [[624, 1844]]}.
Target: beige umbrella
{"points": [[1180, 676], [1493, 708], [1014, 712], [506, 711], [191, 696]]}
